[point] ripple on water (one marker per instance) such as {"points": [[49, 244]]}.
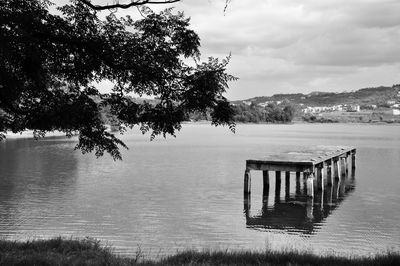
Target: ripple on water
{"points": [[175, 194]]}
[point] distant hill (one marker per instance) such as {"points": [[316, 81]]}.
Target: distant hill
{"points": [[368, 96]]}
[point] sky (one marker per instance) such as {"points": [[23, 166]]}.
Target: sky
{"points": [[288, 46]]}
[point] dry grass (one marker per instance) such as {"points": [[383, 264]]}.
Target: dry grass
{"points": [[60, 251]]}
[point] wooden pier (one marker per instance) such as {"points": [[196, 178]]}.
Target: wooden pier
{"points": [[319, 166]]}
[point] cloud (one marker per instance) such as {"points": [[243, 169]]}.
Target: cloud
{"points": [[289, 46], [299, 46]]}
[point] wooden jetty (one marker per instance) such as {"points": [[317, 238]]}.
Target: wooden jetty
{"points": [[318, 165]]}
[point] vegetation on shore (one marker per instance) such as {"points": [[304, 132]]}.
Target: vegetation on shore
{"points": [[243, 113], [366, 97], [60, 251]]}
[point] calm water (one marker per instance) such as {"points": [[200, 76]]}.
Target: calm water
{"points": [[175, 194]]}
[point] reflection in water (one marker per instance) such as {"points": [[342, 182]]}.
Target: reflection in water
{"points": [[297, 212], [176, 193], [35, 178]]}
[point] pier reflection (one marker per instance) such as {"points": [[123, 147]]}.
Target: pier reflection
{"points": [[295, 211]]}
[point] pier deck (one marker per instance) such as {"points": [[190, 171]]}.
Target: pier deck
{"points": [[321, 163]]}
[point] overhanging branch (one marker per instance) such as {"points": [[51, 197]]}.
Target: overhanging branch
{"points": [[125, 6]]}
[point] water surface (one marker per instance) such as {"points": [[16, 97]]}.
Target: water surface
{"points": [[187, 192]]}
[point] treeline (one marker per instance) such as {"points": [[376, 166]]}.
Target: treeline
{"points": [[272, 113]]}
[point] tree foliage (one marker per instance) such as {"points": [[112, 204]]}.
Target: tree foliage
{"points": [[50, 61], [272, 113]]}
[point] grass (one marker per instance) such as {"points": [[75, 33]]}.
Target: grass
{"points": [[60, 251]]}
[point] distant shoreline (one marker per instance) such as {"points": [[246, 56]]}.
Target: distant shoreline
{"points": [[29, 133]]}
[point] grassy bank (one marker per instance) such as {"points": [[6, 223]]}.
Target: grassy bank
{"points": [[89, 252]]}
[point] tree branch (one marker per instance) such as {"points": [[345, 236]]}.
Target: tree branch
{"points": [[226, 5], [125, 6]]}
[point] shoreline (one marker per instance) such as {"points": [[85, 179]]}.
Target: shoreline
{"points": [[87, 251], [29, 133]]}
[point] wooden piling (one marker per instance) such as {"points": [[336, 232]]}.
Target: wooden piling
{"points": [[343, 166], [324, 171], [336, 167], [277, 182], [247, 204], [310, 185], [287, 177], [320, 180], [329, 172], [347, 162], [247, 182], [278, 178], [277, 186], [353, 160], [265, 180], [298, 182], [287, 184]]}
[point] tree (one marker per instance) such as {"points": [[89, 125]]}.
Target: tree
{"points": [[50, 62]]}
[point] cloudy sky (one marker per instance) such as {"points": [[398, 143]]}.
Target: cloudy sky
{"points": [[288, 46]]}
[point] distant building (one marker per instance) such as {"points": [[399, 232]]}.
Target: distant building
{"points": [[317, 109], [351, 108], [264, 104], [395, 111], [396, 105], [338, 107], [391, 102], [247, 102]]}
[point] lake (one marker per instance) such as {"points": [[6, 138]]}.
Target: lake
{"points": [[183, 193]]}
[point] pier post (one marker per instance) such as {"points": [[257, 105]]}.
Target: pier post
{"points": [[265, 181], [353, 160], [287, 184], [315, 176], [278, 179], [329, 172], [297, 183], [247, 182], [325, 171], [310, 184], [343, 166], [335, 162], [320, 180], [247, 204], [277, 183]]}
